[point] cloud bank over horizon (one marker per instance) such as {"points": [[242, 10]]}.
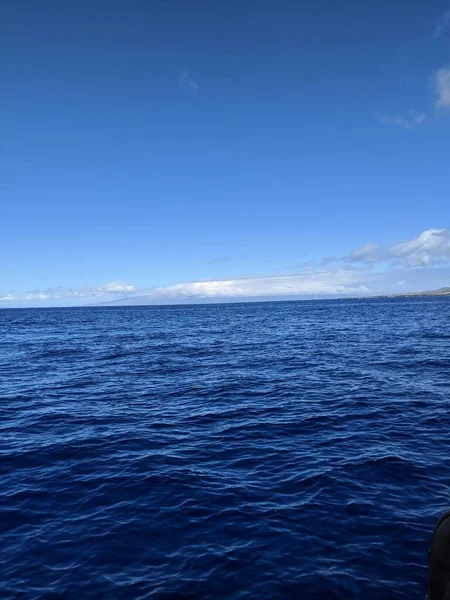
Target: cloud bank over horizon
{"points": [[418, 263], [62, 294]]}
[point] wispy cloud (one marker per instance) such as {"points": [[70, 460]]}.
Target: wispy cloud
{"points": [[28, 296], [443, 26], [441, 80], [414, 264], [64, 294], [369, 253], [186, 82], [366, 270], [115, 287], [409, 121], [431, 247], [440, 83], [8, 298]]}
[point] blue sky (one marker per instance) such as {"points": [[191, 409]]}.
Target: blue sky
{"points": [[195, 149]]}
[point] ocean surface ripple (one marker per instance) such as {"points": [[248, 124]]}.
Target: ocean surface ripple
{"points": [[242, 451]]}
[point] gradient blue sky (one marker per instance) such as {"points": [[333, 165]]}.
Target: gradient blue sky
{"points": [[154, 144]]}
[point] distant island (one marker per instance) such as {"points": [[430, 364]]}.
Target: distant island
{"points": [[445, 291], [149, 299]]}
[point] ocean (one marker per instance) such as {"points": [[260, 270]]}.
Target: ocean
{"points": [[264, 450]]}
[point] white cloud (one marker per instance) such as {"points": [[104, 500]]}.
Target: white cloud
{"points": [[340, 281], [443, 26], [330, 282], [187, 82], [410, 121], [441, 80], [370, 253], [370, 269], [38, 296], [115, 287], [59, 294], [429, 248]]}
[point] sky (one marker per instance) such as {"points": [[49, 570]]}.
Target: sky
{"points": [[211, 150]]}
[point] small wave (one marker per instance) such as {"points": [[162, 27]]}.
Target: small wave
{"points": [[243, 451]]}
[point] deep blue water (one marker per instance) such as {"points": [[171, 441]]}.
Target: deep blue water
{"points": [[278, 450]]}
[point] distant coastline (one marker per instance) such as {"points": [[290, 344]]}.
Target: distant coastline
{"points": [[445, 291], [148, 300]]}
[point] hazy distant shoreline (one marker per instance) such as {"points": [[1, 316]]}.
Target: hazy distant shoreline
{"points": [[445, 291], [147, 300]]}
